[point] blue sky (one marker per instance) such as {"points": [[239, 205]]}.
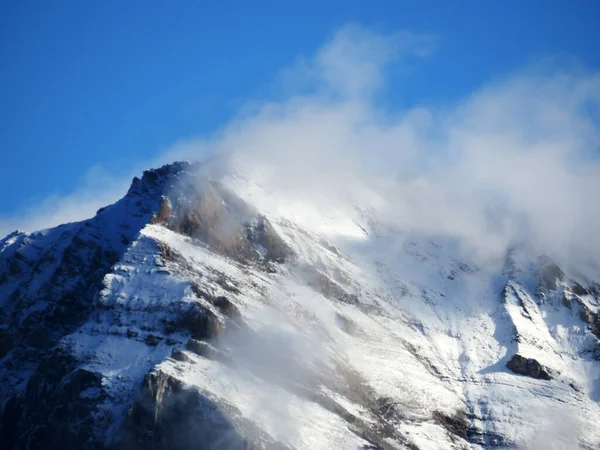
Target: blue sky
{"points": [[109, 84]]}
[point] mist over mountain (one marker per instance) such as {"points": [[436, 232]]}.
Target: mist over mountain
{"points": [[328, 273], [213, 311]]}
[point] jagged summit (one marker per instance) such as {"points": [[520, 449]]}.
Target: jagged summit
{"points": [[206, 308], [161, 178]]}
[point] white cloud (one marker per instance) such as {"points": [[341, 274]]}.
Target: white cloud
{"points": [[353, 63], [98, 188], [517, 159]]}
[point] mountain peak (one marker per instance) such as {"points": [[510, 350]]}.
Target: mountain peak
{"points": [[159, 179], [210, 308]]}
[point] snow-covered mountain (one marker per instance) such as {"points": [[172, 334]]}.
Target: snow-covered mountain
{"points": [[207, 310]]}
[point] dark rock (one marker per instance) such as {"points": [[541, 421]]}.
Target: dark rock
{"points": [[227, 308], [578, 289], [149, 175], [152, 340], [201, 293], [169, 254], [549, 274], [226, 284], [594, 288], [178, 355], [566, 301], [164, 212], [227, 224], [528, 367], [389, 409], [15, 268], [41, 338], [589, 317], [221, 302], [131, 334], [201, 349], [200, 322], [171, 416], [262, 233], [205, 215], [457, 424]]}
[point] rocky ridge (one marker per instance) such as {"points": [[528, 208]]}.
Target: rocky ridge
{"points": [[189, 314]]}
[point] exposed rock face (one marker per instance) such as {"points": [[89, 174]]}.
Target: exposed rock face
{"points": [[221, 302], [179, 355], [528, 367], [589, 317], [456, 424], [214, 215], [170, 416], [164, 212], [199, 322], [201, 349], [261, 233], [549, 275], [578, 289], [205, 215]]}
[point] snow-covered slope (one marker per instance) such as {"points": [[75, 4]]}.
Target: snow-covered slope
{"points": [[218, 312]]}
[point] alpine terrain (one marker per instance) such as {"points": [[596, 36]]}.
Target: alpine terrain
{"points": [[208, 310]]}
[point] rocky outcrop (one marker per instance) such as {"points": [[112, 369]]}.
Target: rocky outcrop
{"points": [[203, 214], [579, 290], [221, 302], [263, 236], [216, 216], [170, 416], [201, 348], [528, 367], [457, 424], [549, 276], [180, 356], [200, 322], [164, 212], [588, 316]]}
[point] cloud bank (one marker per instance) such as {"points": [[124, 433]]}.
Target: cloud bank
{"points": [[97, 189], [517, 160]]}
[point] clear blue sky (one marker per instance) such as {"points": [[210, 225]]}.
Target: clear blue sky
{"points": [[110, 83]]}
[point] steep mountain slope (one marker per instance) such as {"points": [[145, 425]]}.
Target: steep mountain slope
{"points": [[214, 312]]}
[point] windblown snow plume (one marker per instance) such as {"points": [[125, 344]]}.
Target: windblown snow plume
{"points": [[516, 161]]}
